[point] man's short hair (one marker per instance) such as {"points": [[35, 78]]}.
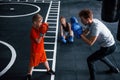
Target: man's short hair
{"points": [[86, 13]]}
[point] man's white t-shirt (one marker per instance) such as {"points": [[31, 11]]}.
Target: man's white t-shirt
{"points": [[105, 38]]}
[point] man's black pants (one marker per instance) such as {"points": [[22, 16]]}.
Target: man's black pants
{"points": [[100, 55]]}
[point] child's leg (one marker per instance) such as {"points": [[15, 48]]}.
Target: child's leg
{"points": [[47, 65], [30, 70], [29, 75], [71, 37], [71, 33], [49, 71]]}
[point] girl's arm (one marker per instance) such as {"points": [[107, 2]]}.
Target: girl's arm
{"points": [[38, 40], [61, 30], [70, 31]]}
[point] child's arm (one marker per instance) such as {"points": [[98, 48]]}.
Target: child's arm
{"points": [[38, 40], [70, 30], [61, 30]]}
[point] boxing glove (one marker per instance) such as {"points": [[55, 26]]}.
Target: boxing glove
{"points": [[76, 27], [70, 39], [63, 40], [43, 28]]}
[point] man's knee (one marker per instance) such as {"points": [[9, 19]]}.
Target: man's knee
{"points": [[90, 59]]}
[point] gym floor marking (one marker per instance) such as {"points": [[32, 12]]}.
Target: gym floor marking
{"points": [[52, 7], [13, 58], [48, 17], [38, 9]]}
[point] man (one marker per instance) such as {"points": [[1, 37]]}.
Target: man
{"points": [[98, 32]]}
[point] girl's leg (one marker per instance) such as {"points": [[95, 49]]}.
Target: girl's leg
{"points": [[49, 71], [30, 70], [29, 75], [47, 65]]}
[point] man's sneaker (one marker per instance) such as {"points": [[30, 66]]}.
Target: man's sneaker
{"points": [[116, 70], [28, 77], [51, 72]]}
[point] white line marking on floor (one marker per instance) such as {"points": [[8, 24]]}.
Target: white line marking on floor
{"points": [[51, 32], [55, 37], [38, 9], [55, 46], [13, 58], [52, 13], [48, 12], [40, 70], [49, 36], [50, 59], [52, 22], [52, 19], [52, 27], [49, 50], [49, 43], [53, 16]]}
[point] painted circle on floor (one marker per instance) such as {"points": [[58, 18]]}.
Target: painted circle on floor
{"points": [[10, 10], [13, 57]]}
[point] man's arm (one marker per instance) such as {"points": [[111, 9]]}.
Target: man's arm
{"points": [[89, 41], [86, 31]]}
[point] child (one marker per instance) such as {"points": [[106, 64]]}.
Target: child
{"points": [[38, 54], [66, 32]]}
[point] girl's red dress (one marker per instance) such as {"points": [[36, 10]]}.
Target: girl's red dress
{"points": [[38, 54]]}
